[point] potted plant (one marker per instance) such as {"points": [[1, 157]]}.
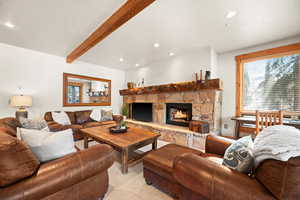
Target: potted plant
{"points": [[125, 110]]}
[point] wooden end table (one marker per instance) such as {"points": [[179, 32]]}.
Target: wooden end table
{"points": [[124, 143]]}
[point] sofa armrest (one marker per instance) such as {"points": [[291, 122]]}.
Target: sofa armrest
{"points": [[54, 126], [217, 144], [213, 181], [62, 173]]}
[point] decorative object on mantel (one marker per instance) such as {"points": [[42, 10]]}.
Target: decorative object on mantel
{"points": [[200, 76], [22, 102], [207, 75], [196, 76], [199, 126], [213, 84], [130, 85]]}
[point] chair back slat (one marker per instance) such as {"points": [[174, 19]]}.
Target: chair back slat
{"points": [[266, 119]]}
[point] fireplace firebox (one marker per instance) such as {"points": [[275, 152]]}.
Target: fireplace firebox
{"points": [[179, 113], [141, 112]]}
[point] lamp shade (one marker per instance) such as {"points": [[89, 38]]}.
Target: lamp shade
{"points": [[21, 101]]}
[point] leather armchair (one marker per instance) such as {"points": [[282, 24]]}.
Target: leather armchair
{"points": [[205, 179], [201, 178]]}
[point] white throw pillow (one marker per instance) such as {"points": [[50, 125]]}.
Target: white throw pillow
{"points": [[61, 118], [48, 145], [96, 115]]}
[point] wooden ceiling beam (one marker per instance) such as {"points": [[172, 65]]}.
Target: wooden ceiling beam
{"points": [[128, 10]]}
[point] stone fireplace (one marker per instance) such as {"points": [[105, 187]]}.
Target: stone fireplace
{"points": [[204, 100]]}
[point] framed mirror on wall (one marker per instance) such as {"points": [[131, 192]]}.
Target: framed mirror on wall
{"points": [[81, 90]]}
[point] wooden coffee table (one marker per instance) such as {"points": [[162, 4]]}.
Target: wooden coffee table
{"points": [[125, 143]]}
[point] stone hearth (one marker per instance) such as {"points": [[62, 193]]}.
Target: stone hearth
{"points": [[206, 105]]}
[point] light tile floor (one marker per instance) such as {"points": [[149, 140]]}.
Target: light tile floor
{"points": [[130, 186]]}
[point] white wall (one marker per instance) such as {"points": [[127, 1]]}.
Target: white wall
{"points": [[41, 75], [181, 68], [227, 73], [175, 69]]}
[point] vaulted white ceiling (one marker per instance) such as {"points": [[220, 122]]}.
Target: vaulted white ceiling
{"points": [[58, 26]]}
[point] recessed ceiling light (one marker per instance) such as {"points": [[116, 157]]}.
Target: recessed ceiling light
{"points": [[171, 54], [121, 59], [231, 14], [137, 65], [156, 45], [9, 25]]}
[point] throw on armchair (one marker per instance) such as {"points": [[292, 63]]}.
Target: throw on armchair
{"points": [[78, 176]]}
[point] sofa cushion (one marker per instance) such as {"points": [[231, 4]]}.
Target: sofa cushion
{"points": [[48, 117], [76, 131], [94, 124], [17, 161], [161, 160], [282, 179], [83, 116]]}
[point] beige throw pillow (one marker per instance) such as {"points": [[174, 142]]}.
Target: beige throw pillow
{"points": [[49, 145], [106, 115]]}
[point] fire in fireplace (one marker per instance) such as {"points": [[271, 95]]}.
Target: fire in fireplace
{"points": [[179, 113]]}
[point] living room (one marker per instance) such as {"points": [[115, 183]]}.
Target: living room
{"points": [[145, 99]]}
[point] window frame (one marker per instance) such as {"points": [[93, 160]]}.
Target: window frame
{"points": [[254, 56]]}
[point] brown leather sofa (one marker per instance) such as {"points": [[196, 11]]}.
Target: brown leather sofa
{"points": [[79, 176], [79, 120], [188, 174]]}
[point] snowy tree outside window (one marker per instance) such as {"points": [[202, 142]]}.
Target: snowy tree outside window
{"points": [[272, 84]]}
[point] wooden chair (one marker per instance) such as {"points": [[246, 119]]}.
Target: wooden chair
{"points": [[265, 119]]}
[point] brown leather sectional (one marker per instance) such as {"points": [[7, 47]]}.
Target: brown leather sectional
{"points": [[188, 174], [79, 120], [79, 176]]}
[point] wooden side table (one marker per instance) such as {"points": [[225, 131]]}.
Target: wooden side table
{"points": [[199, 126]]}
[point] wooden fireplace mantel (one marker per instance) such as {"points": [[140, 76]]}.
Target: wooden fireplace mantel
{"points": [[214, 84]]}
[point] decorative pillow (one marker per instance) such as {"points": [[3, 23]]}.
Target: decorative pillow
{"points": [[17, 160], [239, 155], [106, 115], [61, 118], [49, 145], [38, 124], [96, 115]]}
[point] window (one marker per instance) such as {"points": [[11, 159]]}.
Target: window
{"points": [[269, 80]]}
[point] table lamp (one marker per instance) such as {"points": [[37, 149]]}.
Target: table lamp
{"points": [[22, 102]]}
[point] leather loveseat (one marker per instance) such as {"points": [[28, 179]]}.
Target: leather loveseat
{"points": [[188, 174], [79, 120], [78, 176]]}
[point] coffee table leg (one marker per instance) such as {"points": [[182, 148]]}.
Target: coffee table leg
{"points": [[86, 142], [124, 161], [154, 144]]}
